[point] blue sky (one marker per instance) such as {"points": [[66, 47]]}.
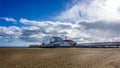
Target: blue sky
{"points": [[25, 22], [30, 9]]}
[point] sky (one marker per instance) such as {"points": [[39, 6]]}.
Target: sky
{"points": [[25, 22]]}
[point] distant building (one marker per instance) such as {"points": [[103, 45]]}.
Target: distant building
{"points": [[57, 41], [70, 42]]}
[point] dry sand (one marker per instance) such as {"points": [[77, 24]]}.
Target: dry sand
{"points": [[60, 58]]}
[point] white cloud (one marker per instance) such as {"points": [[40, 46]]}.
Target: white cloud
{"points": [[46, 27], [9, 19], [8, 32], [92, 10]]}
